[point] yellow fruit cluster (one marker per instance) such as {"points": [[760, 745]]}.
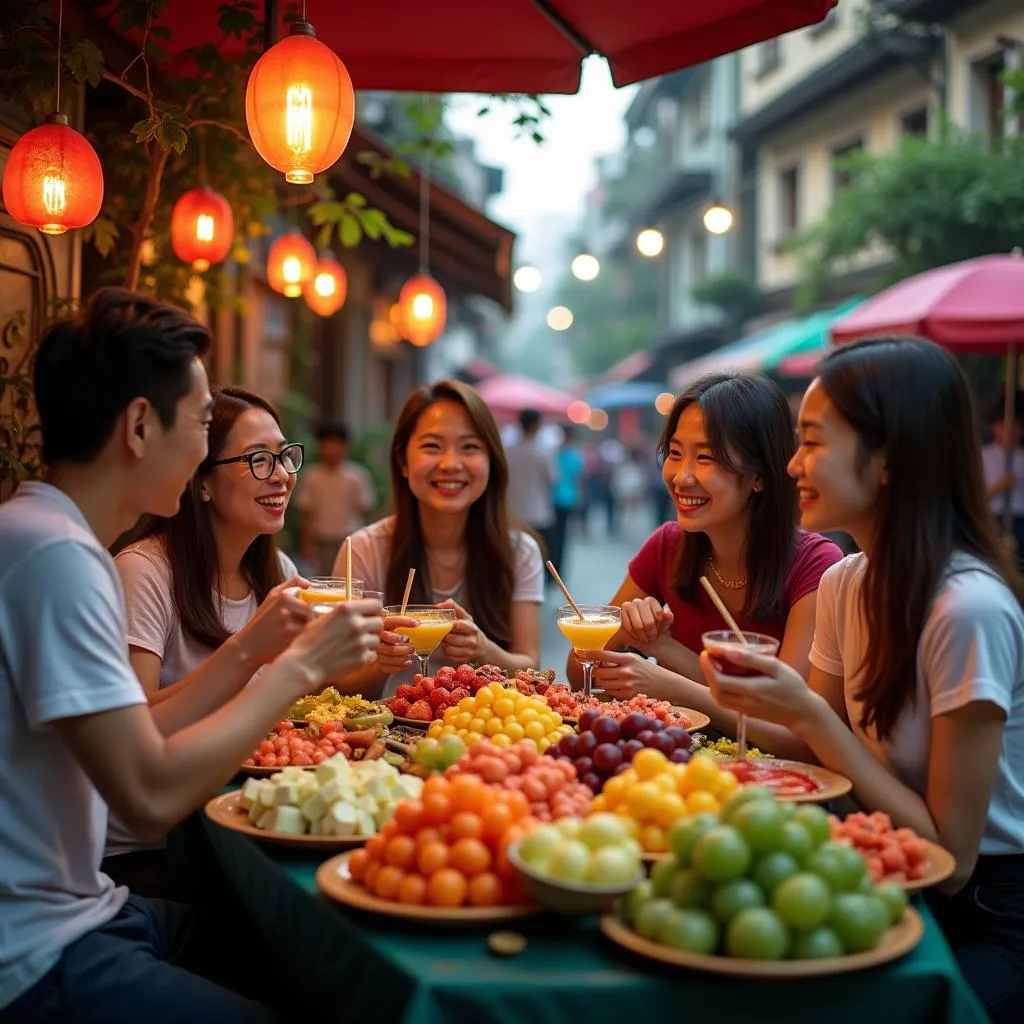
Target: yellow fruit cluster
{"points": [[654, 793], [503, 716]]}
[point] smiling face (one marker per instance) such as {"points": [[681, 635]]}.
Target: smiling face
{"points": [[175, 454], [706, 495], [238, 500], [837, 486], [446, 461]]}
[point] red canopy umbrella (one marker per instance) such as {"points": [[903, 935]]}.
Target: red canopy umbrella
{"points": [[799, 366], [528, 46], [509, 393], [975, 307]]}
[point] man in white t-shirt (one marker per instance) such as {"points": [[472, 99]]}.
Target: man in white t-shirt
{"points": [[1001, 480], [124, 407], [335, 497]]}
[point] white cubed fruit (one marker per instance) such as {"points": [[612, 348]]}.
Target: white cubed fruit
{"points": [[267, 791], [343, 819], [314, 807], [410, 787], [367, 824], [287, 793], [288, 820], [250, 793]]}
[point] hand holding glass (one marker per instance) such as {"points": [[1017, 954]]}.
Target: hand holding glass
{"points": [[433, 624]]}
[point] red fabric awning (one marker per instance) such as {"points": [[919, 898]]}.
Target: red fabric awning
{"points": [[528, 46]]}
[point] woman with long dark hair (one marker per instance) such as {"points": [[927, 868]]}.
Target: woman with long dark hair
{"points": [[449, 481], [725, 447], [209, 599], [916, 691]]}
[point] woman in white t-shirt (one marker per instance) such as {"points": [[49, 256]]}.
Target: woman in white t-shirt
{"points": [[916, 690], [449, 478], [209, 598]]}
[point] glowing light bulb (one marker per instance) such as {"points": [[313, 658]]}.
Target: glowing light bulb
{"points": [[55, 201], [527, 279], [560, 318], [299, 129], [205, 227], [586, 267], [325, 285], [423, 307], [650, 242]]}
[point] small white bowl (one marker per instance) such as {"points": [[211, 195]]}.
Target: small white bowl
{"points": [[570, 897]]}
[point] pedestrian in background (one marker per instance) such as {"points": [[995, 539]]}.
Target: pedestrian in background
{"points": [[998, 478], [567, 495], [335, 498], [531, 476]]}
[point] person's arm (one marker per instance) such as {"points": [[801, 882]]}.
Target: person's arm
{"points": [[151, 781]]}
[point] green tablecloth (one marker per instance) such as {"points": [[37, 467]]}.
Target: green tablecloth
{"points": [[343, 964]]}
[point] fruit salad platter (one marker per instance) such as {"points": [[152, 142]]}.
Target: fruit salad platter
{"points": [[291, 747], [762, 890], [791, 780], [338, 804]]}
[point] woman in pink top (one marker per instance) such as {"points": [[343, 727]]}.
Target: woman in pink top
{"points": [[725, 448]]}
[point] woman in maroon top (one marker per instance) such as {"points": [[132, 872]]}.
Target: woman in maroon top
{"points": [[725, 449]]}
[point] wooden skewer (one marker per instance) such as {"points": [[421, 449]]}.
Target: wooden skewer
{"points": [[408, 590], [741, 719], [348, 568], [565, 590]]}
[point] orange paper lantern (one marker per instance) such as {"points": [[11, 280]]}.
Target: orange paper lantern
{"points": [[53, 180], [202, 228], [327, 290], [290, 264], [424, 309], [300, 105]]}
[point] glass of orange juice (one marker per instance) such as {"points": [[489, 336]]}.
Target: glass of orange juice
{"points": [[329, 590], [433, 624], [599, 624]]}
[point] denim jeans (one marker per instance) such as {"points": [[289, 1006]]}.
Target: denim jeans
{"points": [[984, 925], [127, 972]]}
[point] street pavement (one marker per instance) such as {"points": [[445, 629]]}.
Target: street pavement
{"points": [[594, 567]]}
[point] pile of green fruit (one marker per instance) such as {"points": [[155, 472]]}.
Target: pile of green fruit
{"points": [[763, 881], [436, 755]]}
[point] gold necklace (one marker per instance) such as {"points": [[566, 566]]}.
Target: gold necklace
{"points": [[728, 584]]}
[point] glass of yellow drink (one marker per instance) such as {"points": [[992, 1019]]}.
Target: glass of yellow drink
{"points": [[599, 624], [329, 590], [433, 624]]}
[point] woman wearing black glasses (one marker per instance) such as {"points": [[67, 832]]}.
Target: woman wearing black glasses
{"points": [[209, 598]]}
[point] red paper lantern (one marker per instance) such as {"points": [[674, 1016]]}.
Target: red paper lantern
{"points": [[202, 228], [424, 309], [300, 105], [53, 179], [290, 264], [327, 290]]}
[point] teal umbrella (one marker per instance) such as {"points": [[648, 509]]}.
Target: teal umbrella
{"points": [[803, 338]]}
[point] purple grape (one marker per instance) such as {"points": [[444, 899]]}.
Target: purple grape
{"points": [[586, 744], [584, 765], [606, 729], [633, 724], [567, 745], [592, 782], [644, 739], [663, 742], [630, 749], [607, 758], [587, 719], [679, 756], [624, 767], [679, 735], [657, 725]]}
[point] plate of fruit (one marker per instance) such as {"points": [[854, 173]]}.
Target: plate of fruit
{"points": [[761, 890], [790, 780], [897, 855], [291, 747], [337, 805], [442, 858]]}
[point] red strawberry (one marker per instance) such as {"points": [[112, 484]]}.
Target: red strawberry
{"points": [[427, 684], [445, 675], [477, 684], [460, 693], [407, 692], [421, 711], [399, 706], [438, 697], [464, 675]]}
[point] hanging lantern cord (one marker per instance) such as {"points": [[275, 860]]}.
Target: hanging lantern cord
{"points": [[60, 33], [201, 139], [425, 201]]}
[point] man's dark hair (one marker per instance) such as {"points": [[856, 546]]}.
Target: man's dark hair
{"points": [[336, 430], [119, 347], [528, 420]]}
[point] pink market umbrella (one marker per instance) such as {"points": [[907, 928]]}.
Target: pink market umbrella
{"points": [[509, 393], [800, 366], [975, 307]]}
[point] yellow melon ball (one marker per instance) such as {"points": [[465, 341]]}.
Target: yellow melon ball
{"points": [[501, 740], [534, 730], [652, 838], [504, 708], [492, 727], [514, 731], [701, 800], [649, 762]]}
